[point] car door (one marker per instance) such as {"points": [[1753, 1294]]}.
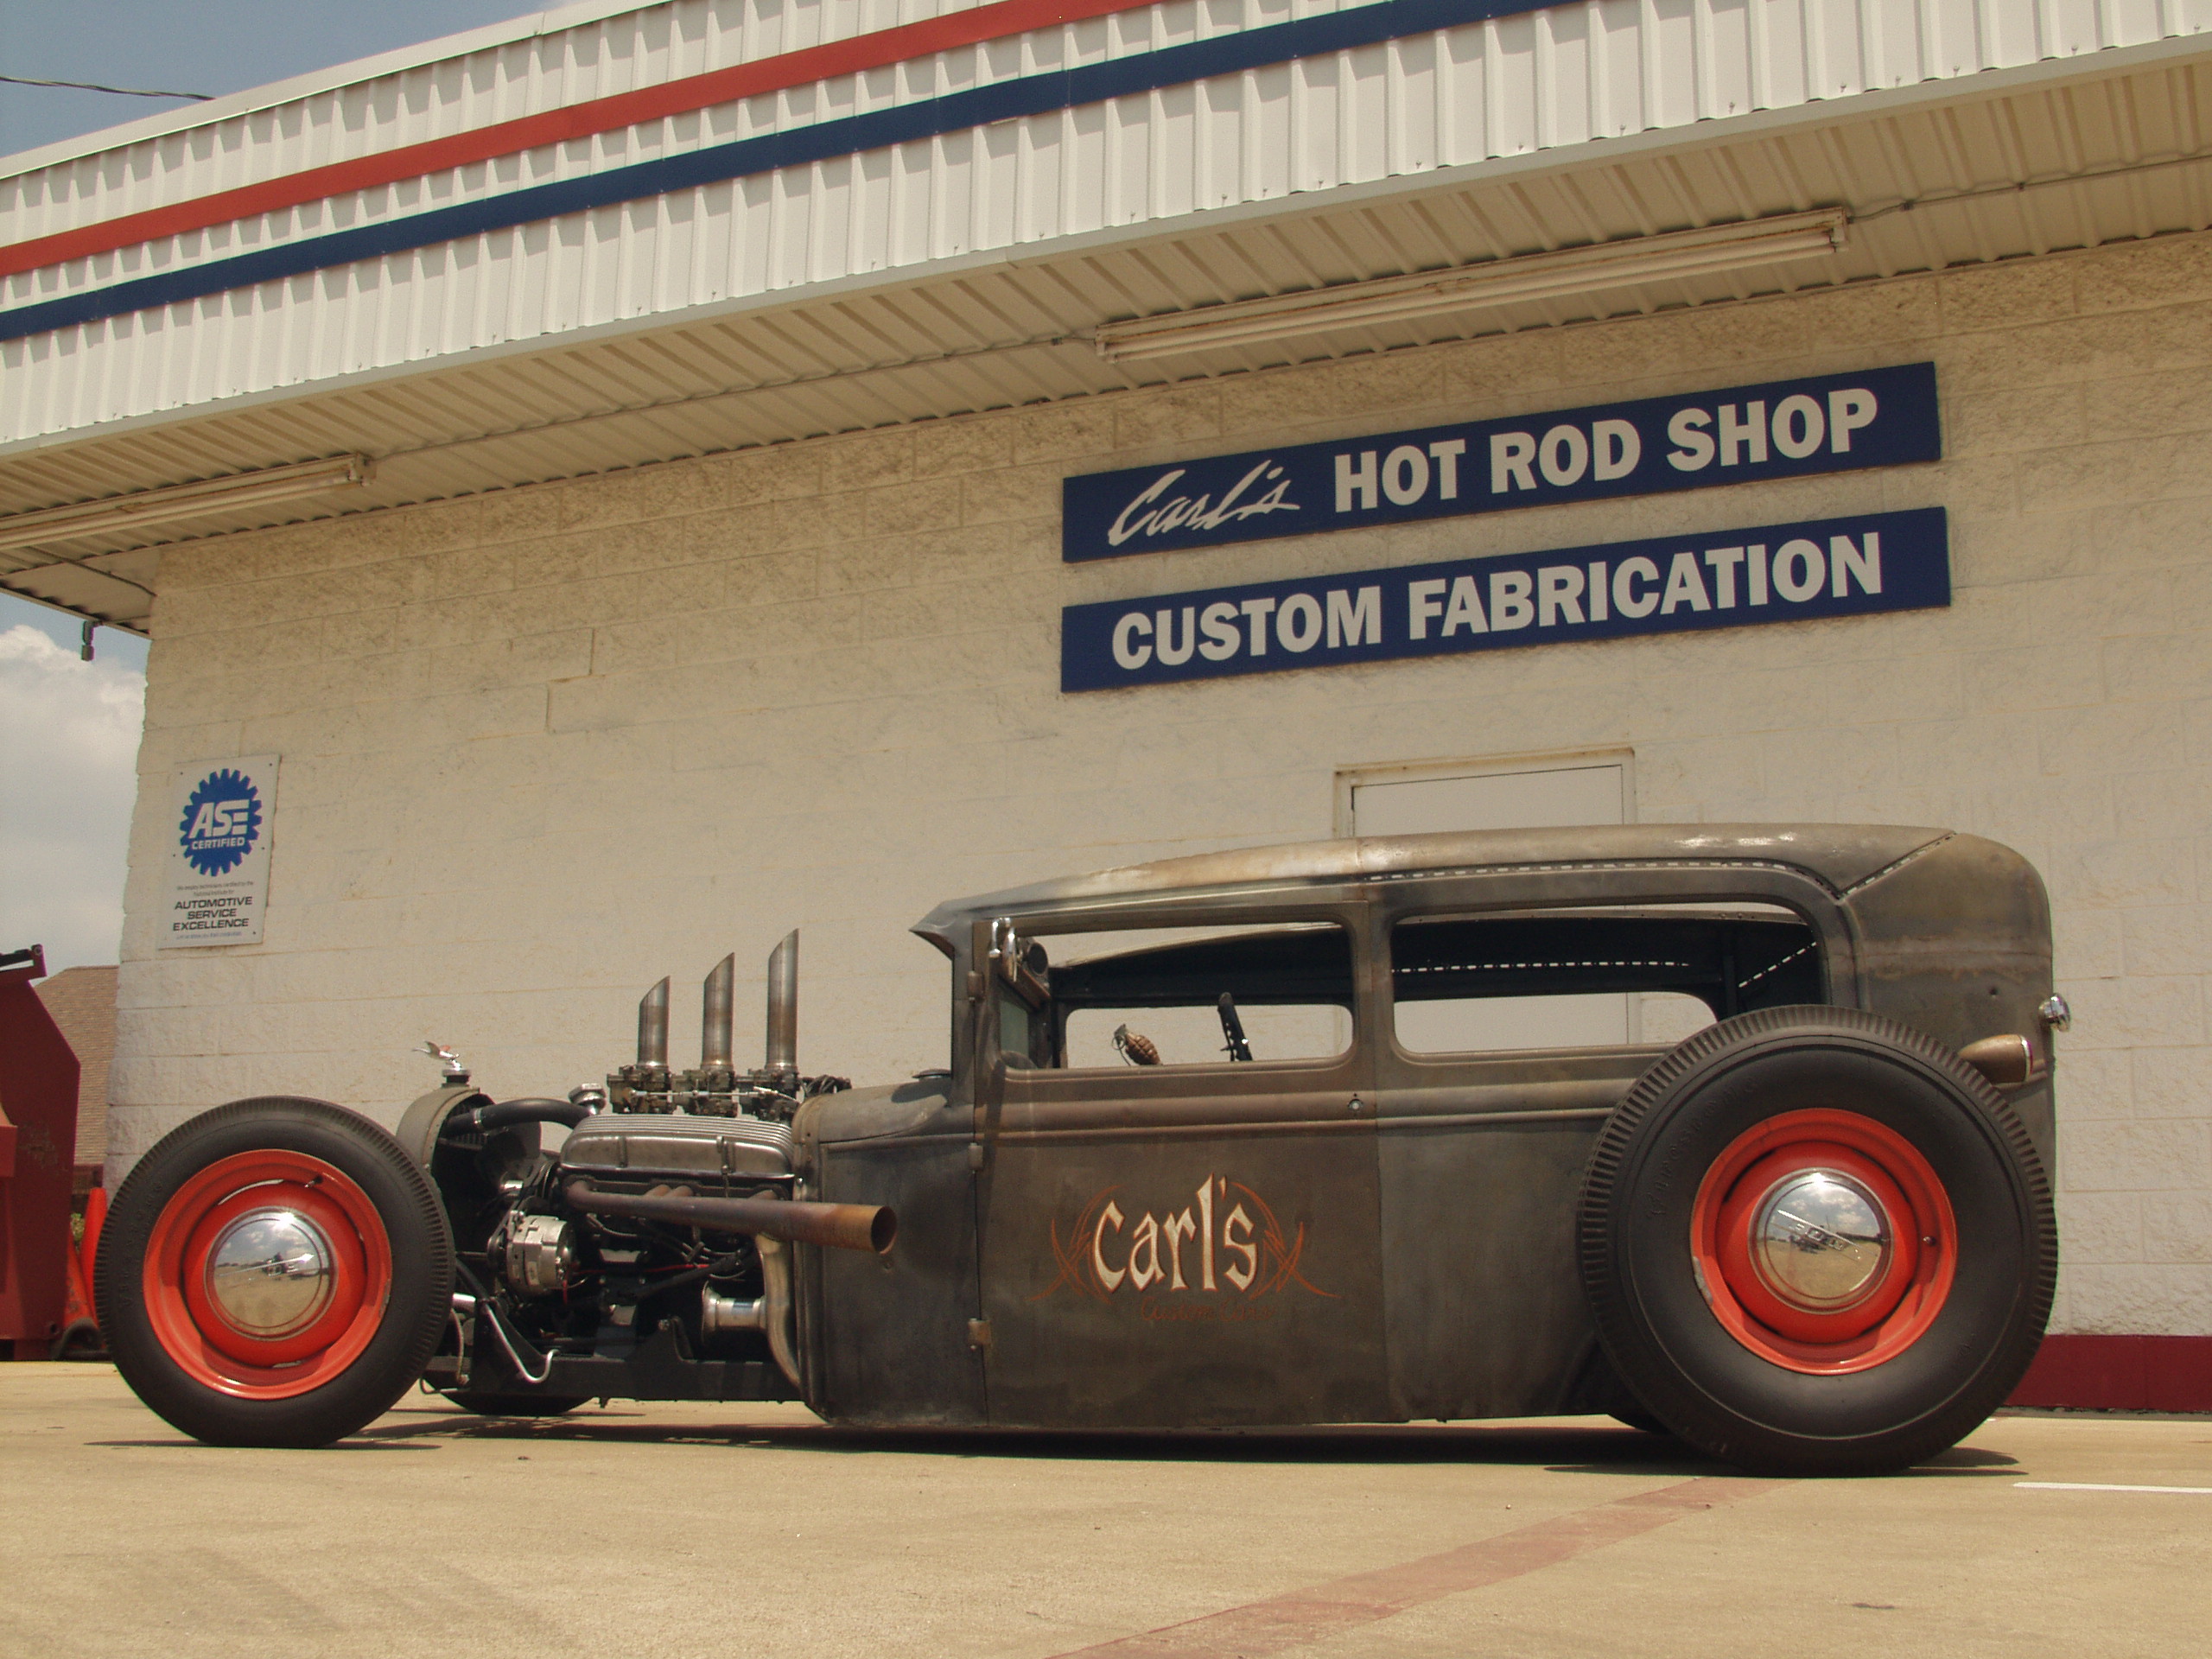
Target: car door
{"points": [[1193, 1241], [1521, 1009]]}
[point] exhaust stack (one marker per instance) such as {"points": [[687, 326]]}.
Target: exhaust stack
{"points": [[652, 1033], [717, 1088], [783, 1005], [717, 1018]]}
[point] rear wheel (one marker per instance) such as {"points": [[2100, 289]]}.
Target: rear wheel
{"points": [[276, 1272], [1816, 1242]]}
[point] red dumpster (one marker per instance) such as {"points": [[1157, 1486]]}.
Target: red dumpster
{"points": [[38, 1146]]}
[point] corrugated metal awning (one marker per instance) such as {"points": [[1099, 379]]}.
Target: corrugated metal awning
{"points": [[2074, 154]]}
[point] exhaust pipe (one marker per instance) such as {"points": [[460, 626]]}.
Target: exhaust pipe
{"points": [[653, 1027], [869, 1227], [717, 1017], [783, 1005]]}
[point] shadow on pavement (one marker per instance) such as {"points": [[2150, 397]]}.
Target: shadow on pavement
{"points": [[186, 1443], [1627, 1450], [1578, 1448]]}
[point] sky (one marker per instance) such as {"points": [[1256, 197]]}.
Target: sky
{"points": [[69, 751], [69, 730], [216, 46]]}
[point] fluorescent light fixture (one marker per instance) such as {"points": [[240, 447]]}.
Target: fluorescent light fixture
{"points": [[176, 501], [1498, 282]]}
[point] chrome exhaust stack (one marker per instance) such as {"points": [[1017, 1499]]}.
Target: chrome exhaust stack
{"points": [[774, 1090], [718, 1025], [783, 1013], [652, 1037]]}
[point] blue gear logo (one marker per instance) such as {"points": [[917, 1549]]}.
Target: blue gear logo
{"points": [[222, 820]]}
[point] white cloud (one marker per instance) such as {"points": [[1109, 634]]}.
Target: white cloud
{"points": [[68, 774]]}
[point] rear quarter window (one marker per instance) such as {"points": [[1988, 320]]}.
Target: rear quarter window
{"points": [[1590, 978]]}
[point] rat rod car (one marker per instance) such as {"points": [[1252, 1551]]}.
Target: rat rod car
{"points": [[1739, 1132]]}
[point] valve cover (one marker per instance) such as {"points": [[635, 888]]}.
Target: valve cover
{"points": [[677, 1146]]}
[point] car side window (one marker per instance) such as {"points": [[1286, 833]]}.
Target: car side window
{"points": [[1183, 996], [1594, 977]]}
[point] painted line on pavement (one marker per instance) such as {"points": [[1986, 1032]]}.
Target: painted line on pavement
{"points": [[2092, 1486], [1300, 1616]]}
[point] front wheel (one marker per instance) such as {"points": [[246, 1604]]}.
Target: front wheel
{"points": [[276, 1272], [1816, 1242]]}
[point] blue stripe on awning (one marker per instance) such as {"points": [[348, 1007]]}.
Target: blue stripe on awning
{"points": [[1007, 100]]}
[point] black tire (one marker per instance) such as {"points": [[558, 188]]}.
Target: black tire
{"points": [[1656, 1317], [489, 1403], [1637, 1418], [383, 1349]]}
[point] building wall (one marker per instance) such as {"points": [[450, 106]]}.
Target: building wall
{"points": [[541, 747]]}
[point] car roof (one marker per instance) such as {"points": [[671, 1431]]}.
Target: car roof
{"points": [[1840, 856]]}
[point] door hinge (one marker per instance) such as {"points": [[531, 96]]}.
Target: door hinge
{"points": [[979, 1333], [974, 1155]]}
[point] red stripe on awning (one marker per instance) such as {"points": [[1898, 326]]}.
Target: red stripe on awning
{"points": [[810, 63]]}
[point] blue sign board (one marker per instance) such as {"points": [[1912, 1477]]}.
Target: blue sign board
{"points": [[1783, 428], [1729, 579]]}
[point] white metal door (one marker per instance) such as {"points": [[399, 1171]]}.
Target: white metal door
{"points": [[1568, 792]]}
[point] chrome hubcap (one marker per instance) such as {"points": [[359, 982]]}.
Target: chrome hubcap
{"points": [[1821, 1241], [270, 1274]]}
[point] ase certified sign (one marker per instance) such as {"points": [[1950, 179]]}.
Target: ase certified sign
{"points": [[1783, 428], [1770, 573], [218, 880]]}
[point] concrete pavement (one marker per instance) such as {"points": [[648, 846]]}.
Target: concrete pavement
{"points": [[756, 1530]]}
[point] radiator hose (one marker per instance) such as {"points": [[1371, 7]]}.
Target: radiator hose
{"points": [[498, 1115]]}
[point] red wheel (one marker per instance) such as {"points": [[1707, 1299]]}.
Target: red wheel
{"points": [[267, 1274], [274, 1272], [1817, 1241], [1825, 1240]]}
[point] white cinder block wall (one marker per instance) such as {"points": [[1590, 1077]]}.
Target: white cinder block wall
{"points": [[540, 747]]}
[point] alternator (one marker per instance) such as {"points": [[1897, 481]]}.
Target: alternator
{"points": [[540, 1251]]}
